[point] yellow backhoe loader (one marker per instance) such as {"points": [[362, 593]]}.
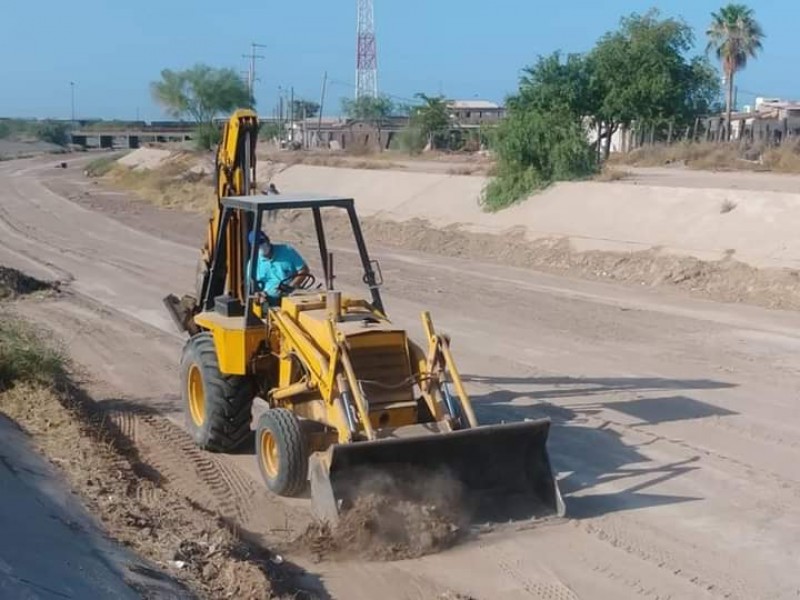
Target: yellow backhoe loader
{"points": [[329, 389]]}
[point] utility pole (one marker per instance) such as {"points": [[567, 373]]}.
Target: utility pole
{"points": [[321, 108], [280, 116], [251, 74], [72, 100], [291, 118]]}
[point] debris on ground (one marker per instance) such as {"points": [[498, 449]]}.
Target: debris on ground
{"points": [[13, 284], [394, 517]]}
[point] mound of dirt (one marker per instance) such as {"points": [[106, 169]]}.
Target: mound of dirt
{"points": [[14, 283], [393, 517], [383, 528]]}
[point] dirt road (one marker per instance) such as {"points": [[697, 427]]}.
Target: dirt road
{"points": [[676, 431]]}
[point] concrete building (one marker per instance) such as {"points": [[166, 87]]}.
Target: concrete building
{"points": [[474, 113], [777, 109]]}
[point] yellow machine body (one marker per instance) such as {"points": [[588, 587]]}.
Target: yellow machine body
{"points": [[326, 379]]}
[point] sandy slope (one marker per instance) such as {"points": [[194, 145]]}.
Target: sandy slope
{"points": [[676, 433], [672, 213]]}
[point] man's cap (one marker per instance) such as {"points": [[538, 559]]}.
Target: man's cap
{"points": [[262, 238]]}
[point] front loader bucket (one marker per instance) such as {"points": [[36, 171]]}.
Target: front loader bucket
{"points": [[502, 471]]}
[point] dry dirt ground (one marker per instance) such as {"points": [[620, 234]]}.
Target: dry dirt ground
{"points": [[676, 435], [144, 535]]}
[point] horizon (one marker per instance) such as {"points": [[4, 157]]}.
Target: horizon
{"points": [[114, 52]]}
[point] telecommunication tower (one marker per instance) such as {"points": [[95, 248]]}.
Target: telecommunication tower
{"points": [[367, 52]]}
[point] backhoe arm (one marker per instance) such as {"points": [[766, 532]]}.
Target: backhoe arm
{"points": [[235, 176]]}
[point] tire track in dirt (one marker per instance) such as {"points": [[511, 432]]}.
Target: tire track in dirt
{"points": [[207, 479], [541, 590], [673, 556], [679, 563]]}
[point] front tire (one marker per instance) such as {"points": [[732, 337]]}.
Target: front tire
{"points": [[282, 453], [217, 406]]}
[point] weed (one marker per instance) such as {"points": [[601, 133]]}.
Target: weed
{"points": [[100, 166]]}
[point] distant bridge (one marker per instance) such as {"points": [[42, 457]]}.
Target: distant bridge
{"points": [[129, 138]]}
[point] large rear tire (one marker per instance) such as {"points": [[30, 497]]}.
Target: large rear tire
{"points": [[217, 406], [282, 453]]}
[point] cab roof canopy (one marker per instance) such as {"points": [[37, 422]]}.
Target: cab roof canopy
{"points": [[285, 201]]}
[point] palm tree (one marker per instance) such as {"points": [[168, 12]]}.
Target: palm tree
{"points": [[735, 36]]}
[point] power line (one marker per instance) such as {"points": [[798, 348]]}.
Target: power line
{"points": [[251, 74], [351, 86]]}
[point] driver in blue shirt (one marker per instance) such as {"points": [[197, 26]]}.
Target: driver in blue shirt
{"points": [[276, 263]]}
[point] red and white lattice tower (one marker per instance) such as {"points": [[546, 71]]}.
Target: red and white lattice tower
{"points": [[367, 52]]}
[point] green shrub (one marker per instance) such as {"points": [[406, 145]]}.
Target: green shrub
{"points": [[534, 149]]}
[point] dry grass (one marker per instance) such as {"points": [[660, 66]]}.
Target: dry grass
{"points": [[169, 186], [785, 159], [465, 170], [717, 157], [611, 174], [328, 159], [25, 358]]}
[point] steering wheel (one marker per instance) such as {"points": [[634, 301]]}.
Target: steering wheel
{"points": [[306, 283]]}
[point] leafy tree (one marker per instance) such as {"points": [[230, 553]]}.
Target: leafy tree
{"points": [[366, 108], [201, 93], [5, 130], [640, 73], [552, 84], [311, 109], [432, 118], [734, 36]]}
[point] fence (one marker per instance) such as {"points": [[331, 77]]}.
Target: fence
{"points": [[746, 131]]}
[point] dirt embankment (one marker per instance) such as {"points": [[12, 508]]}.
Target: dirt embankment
{"points": [[174, 185], [135, 503]]}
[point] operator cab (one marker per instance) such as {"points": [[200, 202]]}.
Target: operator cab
{"points": [[248, 212]]}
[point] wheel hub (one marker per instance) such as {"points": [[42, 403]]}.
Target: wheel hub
{"points": [[269, 454], [197, 398]]}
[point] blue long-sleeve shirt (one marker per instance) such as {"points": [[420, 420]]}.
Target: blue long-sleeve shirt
{"points": [[284, 262]]}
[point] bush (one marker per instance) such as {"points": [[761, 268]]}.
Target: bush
{"points": [[207, 136], [269, 131], [55, 133], [534, 149], [25, 357], [410, 140], [5, 130]]}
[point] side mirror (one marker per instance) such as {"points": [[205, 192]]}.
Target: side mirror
{"points": [[373, 278]]}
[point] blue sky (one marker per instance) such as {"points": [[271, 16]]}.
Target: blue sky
{"points": [[112, 49]]}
